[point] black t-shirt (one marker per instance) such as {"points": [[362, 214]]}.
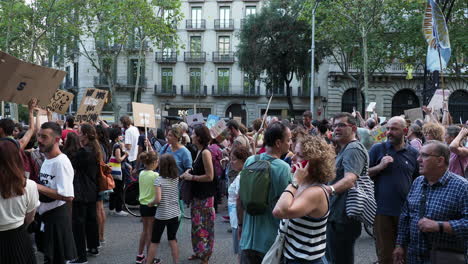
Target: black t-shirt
{"points": [[86, 171], [202, 190]]}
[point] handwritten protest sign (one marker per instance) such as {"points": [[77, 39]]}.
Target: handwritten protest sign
{"points": [[20, 81], [91, 105], [218, 129], [211, 121], [371, 107], [195, 119], [379, 134], [414, 114], [437, 101], [60, 102], [143, 115]]}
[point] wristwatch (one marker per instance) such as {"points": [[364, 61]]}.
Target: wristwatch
{"points": [[333, 192], [441, 227]]}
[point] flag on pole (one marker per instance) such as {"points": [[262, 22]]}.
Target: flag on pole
{"points": [[437, 37]]}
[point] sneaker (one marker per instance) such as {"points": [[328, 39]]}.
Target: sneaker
{"points": [[111, 212], [121, 213], [140, 259], [78, 261], [94, 252]]}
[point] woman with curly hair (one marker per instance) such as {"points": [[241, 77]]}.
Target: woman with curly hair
{"points": [[305, 202], [433, 131]]}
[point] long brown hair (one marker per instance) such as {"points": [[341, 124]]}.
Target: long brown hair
{"points": [[12, 179], [90, 132], [168, 167]]}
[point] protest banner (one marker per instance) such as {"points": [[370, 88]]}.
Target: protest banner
{"points": [[379, 134], [211, 121], [218, 129], [195, 119], [437, 101], [20, 81], [371, 107], [143, 115], [60, 102], [91, 105], [414, 114]]}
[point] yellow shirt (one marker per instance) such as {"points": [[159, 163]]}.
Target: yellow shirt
{"points": [[146, 184]]}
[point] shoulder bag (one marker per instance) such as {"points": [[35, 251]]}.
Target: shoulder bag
{"points": [[275, 253]]}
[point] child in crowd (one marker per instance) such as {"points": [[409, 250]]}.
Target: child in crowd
{"points": [[147, 195], [168, 213]]}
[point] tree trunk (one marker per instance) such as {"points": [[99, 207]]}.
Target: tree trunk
{"points": [[358, 95], [115, 105], [140, 51], [365, 64], [290, 103]]}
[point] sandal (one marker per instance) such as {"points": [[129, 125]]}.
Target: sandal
{"points": [[193, 257]]}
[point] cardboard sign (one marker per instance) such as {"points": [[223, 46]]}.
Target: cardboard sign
{"points": [[414, 114], [143, 115], [195, 119], [379, 134], [371, 107], [91, 105], [218, 129], [60, 102], [437, 101], [20, 81], [211, 121]]}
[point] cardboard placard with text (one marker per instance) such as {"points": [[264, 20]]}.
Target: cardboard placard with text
{"points": [[379, 134], [60, 102], [371, 107], [143, 115], [195, 119], [91, 105], [20, 81], [414, 114], [211, 121], [218, 129], [437, 101]]}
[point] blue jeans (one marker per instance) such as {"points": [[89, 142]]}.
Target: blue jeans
{"points": [[321, 260]]}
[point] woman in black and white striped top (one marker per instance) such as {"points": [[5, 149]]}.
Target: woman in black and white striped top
{"points": [[305, 203]]}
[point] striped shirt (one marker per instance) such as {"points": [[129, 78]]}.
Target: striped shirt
{"points": [[114, 164], [168, 207], [305, 238]]}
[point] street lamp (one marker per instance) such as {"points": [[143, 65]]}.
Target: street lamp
{"points": [[312, 71]]}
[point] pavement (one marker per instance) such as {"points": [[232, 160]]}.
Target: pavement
{"points": [[122, 237]]}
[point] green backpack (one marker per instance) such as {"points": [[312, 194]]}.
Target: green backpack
{"points": [[254, 186]]}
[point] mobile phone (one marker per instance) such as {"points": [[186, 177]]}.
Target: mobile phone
{"points": [[303, 163]]}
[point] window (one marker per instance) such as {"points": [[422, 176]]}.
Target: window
{"points": [[166, 80], [224, 16], [306, 84], [196, 17], [250, 10], [249, 85], [195, 44], [109, 67], [224, 45], [195, 80], [223, 80], [133, 70]]}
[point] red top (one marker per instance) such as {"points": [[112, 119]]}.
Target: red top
{"points": [[65, 132]]}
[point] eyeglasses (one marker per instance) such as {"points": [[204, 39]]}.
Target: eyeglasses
{"points": [[341, 125], [426, 155]]}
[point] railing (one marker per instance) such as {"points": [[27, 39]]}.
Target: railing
{"points": [[100, 81], [189, 90], [223, 57], [195, 24], [303, 92], [276, 92], [104, 46], [166, 57], [135, 45], [195, 57], [130, 82], [224, 24], [394, 68], [165, 91], [238, 91]]}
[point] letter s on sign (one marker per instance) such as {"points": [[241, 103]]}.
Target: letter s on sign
{"points": [[21, 86]]}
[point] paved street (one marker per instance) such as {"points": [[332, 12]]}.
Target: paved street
{"points": [[122, 234]]}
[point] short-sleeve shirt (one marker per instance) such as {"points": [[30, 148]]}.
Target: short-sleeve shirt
{"points": [[13, 210], [365, 137], [131, 137], [352, 158], [65, 133], [182, 157], [168, 207], [458, 164], [393, 184], [56, 173], [259, 231], [146, 185]]}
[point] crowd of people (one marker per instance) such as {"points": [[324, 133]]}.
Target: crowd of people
{"points": [[276, 178]]}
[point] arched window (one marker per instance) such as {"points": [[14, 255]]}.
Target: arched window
{"points": [[349, 100], [403, 100], [458, 105]]}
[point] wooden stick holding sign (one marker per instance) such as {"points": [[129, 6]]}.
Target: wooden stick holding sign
{"points": [[145, 118], [261, 126]]}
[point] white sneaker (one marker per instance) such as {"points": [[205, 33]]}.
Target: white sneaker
{"points": [[121, 213], [111, 212]]}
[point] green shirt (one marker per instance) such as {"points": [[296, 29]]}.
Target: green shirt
{"points": [[146, 184]]}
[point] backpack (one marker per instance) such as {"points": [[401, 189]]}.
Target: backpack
{"points": [[254, 186]]}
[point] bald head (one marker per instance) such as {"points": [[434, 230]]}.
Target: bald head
{"points": [[397, 120], [396, 130]]}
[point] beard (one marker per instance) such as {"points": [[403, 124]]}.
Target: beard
{"points": [[45, 148]]}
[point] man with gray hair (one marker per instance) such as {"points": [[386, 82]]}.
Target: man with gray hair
{"points": [[435, 214], [393, 166]]}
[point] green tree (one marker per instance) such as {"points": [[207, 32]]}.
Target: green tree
{"points": [[274, 46]]}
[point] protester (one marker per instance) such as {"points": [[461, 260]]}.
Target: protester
{"points": [[238, 138], [458, 153], [216, 156], [256, 241], [84, 218], [323, 129], [72, 145], [7, 127], [168, 212], [131, 140], [147, 195], [118, 155], [203, 189], [55, 238], [19, 199], [393, 167], [103, 139], [415, 136], [351, 162], [181, 154], [305, 203], [307, 122], [68, 128], [238, 157], [435, 212], [433, 131]]}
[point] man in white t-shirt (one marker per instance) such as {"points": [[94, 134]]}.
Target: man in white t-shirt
{"points": [[131, 139], [55, 238]]}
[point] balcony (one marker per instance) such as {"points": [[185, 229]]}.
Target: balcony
{"points": [[236, 91], [166, 57], [191, 91], [277, 92], [104, 46], [194, 57], [303, 92], [126, 83], [395, 69], [101, 81], [223, 57], [196, 1], [165, 91], [195, 25], [224, 24], [134, 46], [223, 1]]}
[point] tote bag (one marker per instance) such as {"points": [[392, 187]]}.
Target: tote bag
{"points": [[275, 253]]}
